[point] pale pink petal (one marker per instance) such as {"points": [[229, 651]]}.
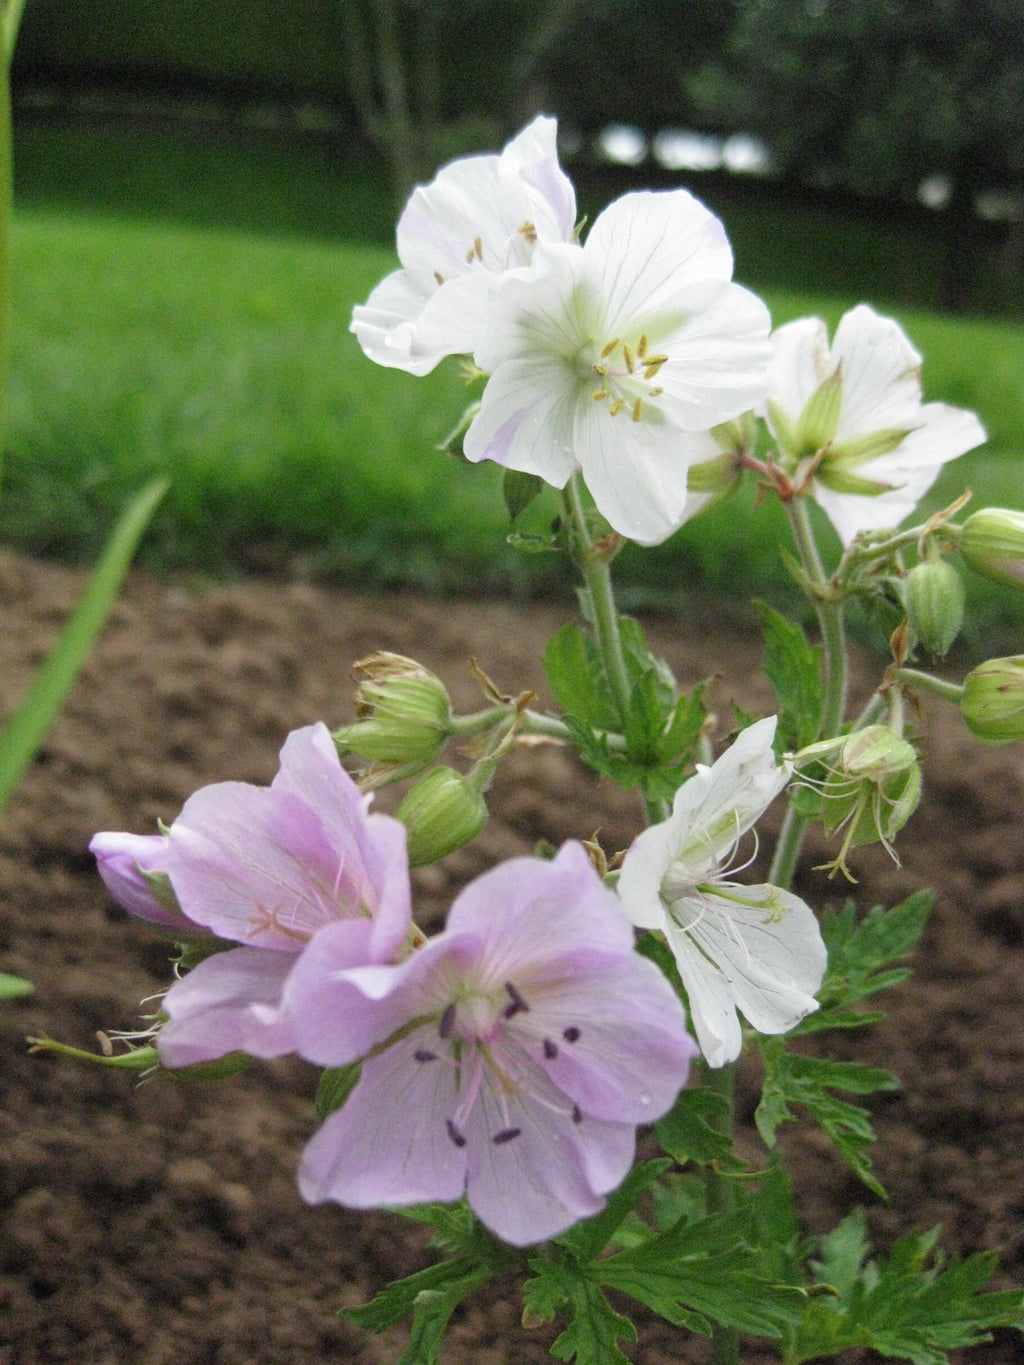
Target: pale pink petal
{"points": [[122, 861], [230, 1002], [525, 420]]}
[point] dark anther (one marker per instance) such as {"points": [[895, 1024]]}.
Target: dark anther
{"points": [[506, 1135], [571, 1034], [447, 1023], [518, 1005], [423, 1054], [577, 1114], [454, 1134], [550, 1049]]}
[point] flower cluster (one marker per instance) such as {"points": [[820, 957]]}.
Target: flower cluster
{"points": [[632, 356]]}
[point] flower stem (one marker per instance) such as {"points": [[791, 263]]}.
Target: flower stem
{"points": [[597, 573], [834, 667], [721, 1195], [925, 682]]}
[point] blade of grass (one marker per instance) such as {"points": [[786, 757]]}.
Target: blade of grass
{"points": [[28, 726]]}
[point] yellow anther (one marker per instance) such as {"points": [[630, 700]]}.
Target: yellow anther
{"points": [[653, 364], [602, 370], [478, 248], [637, 409], [617, 406], [529, 232], [469, 256], [598, 394], [439, 277], [641, 345], [655, 390], [627, 355], [609, 348]]}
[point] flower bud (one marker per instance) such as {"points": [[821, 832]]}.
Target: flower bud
{"points": [[992, 704], [933, 595], [442, 812], [992, 542], [403, 714], [132, 868], [873, 790]]}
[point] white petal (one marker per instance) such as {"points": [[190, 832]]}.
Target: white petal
{"points": [[529, 166], [386, 324], [525, 420], [708, 990], [881, 374], [800, 362]]}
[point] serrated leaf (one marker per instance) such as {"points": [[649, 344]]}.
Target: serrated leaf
{"points": [[397, 1300], [588, 1239], [808, 1081], [596, 752], [645, 720], [594, 1329], [519, 490], [640, 660], [694, 1129], [679, 740], [336, 1084], [576, 678], [432, 1311], [793, 667]]}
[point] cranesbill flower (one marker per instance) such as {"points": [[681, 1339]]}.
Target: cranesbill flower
{"points": [[134, 871], [851, 428], [509, 1059], [756, 949], [617, 357], [480, 216], [269, 868]]}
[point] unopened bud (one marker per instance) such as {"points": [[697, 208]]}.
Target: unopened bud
{"points": [[403, 711], [992, 542], [441, 812], [992, 704], [933, 594]]}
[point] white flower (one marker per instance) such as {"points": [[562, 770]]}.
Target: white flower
{"points": [[757, 949], [850, 424], [619, 356], [480, 216]]}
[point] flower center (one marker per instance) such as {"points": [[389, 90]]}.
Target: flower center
{"points": [[625, 370]]}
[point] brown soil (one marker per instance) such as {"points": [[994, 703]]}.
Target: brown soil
{"points": [[161, 1224]]}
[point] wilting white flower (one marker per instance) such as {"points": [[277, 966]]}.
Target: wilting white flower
{"points": [[756, 949], [480, 216], [619, 356], [851, 427]]}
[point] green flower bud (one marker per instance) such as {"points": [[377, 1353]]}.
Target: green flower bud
{"points": [[442, 812], [403, 711], [933, 594], [992, 704], [992, 542], [872, 791]]}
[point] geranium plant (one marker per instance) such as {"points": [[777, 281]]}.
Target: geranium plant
{"points": [[491, 1079]]}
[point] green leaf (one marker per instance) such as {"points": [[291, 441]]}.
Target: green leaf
{"points": [[793, 668], [13, 986], [336, 1084], [519, 490], [645, 720], [914, 1305], [808, 1081], [397, 1300], [680, 737], [693, 1129], [588, 1239], [562, 1286], [595, 751], [576, 678], [432, 1311], [27, 727]]}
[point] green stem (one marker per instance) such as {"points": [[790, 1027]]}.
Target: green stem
{"points": [[925, 682], [6, 178], [834, 668], [597, 573], [721, 1195]]}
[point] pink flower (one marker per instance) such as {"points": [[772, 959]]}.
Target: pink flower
{"points": [[134, 871], [270, 868], [509, 1059]]}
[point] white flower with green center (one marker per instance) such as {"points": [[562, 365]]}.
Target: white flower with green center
{"points": [[850, 425], [753, 949], [479, 217], [618, 357]]}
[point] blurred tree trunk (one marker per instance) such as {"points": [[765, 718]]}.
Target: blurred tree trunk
{"points": [[395, 98]]}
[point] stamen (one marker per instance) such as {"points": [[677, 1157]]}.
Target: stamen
{"points": [[653, 364], [423, 1054], [577, 1114], [454, 1133], [637, 409], [609, 348], [478, 248], [627, 355], [571, 1034], [550, 1049], [616, 407], [641, 345], [601, 371], [447, 1023], [655, 391], [506, 1135], [599, 395], [439, 277], [529, 232], [518, 1005]]}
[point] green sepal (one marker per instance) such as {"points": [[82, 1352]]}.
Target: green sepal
{"points": [[336, 1084], [838, 476], [819, 420], [860, 449], [784, 430]]}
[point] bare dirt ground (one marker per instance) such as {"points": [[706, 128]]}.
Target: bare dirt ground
{"points": [[161, 1225]]}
